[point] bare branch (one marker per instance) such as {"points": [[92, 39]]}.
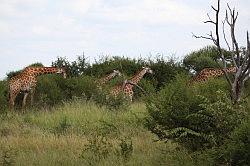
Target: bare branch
{"points": [[247, 55], [214, 8], [209, 20], [212, 22], [231, 22], [224, 34], [209, 17]]}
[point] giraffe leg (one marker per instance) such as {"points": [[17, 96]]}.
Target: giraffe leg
{"points": [[12, 98], [24, 100], [131, 97], [32, 96]]}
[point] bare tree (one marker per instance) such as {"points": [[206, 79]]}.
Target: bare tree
{"points": [[240, 57]]}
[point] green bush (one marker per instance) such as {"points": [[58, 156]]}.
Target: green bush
{"points": [[52, 89], [104, 98], [48, 91], [236, 150], [97, 149], [182, 114], [147, 89], [3, 96], [203, 58]]}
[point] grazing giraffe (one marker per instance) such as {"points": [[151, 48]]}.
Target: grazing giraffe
{"points": [[127, 86], [26, 82], [108, 77], [208, 73]]}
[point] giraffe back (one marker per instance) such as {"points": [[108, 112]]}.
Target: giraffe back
{"points": [[207, 73]]}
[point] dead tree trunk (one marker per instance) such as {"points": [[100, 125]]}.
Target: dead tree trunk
{"points": [[240, 58]]}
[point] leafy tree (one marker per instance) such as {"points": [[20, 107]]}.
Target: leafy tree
{"points": [[188, 116], [207, 57]]}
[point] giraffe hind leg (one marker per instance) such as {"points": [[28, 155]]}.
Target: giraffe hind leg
{"points": [[32, 96], [24, 100]]}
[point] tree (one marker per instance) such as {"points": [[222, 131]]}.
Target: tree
{"points": [[240, 57], [203, 58]]}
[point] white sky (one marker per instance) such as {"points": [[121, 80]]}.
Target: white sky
{"points": [[41, 30]]}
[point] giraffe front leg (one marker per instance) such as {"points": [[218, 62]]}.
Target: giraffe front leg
{"points": [[131, 98], [12, 98], [24, 101], [32, 93]]}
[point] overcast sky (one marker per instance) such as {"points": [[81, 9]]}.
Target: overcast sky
{"points": [[41, 30]]}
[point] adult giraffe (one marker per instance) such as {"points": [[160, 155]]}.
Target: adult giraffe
{"points": [[26, 82], [127, 86], [208, 73]]}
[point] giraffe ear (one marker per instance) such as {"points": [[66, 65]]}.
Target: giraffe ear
{"points": [[143, 67]]}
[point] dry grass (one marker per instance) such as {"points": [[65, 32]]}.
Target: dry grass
{"points": [[59, 137]]}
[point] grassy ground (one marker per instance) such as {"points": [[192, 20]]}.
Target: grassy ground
{"points": [[80, 133]]}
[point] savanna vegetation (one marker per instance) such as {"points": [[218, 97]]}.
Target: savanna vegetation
{"points": [[72, 122], [170, 121]]}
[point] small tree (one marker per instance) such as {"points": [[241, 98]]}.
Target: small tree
{"points": [[240, 57]]}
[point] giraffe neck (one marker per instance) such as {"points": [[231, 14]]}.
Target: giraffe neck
{"points": [[219, 72], [137, 77], [107, 78], [36, 71]]}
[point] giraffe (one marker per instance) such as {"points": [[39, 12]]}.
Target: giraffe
{"points": [[26, 82], [127, 86], [108, 77], [207, 73]]}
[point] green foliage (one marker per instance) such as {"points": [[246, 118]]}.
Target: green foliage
{"points": [[126, 149], [74, 68], [62, 127], [203, 58], [104, 98], [47, 91], [7, 156], [164, 71], [189, 117], [236, 149], [52, 89], [97, 149], [126, 65], [3, 96]]}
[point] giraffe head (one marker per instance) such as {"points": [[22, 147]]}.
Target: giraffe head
{"points": [[117, 72], [148, 70], [62, 71]]}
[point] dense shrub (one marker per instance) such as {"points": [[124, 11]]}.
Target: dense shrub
{"points": [[181, 114], [203, 58], [74, 68], [236, 150], [164, 71], [52, 89], [47, 91], [3, 95], [104, 98]]}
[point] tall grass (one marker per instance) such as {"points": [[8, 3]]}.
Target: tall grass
{"points": [[81, 133]]}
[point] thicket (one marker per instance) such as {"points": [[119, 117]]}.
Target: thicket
{"points": [[82, 77], [206, 57], [201, 118]]}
